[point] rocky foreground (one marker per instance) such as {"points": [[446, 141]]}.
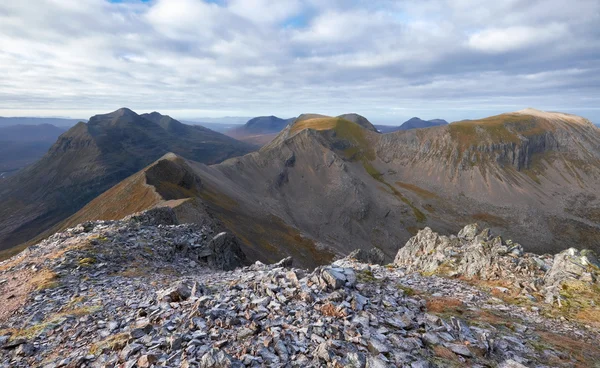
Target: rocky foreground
{"points": [[145, 292]]}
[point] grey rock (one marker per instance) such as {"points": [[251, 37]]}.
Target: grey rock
{"points": [[469, 232], [460, 349], [356, 360], [373, 256], [25, 350], [334, 278], [178, 293], [226, 252], [376, 346]]}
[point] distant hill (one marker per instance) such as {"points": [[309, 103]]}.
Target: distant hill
{"points": [[21, 145], [413, 123], [90, 158], [259, 130], [58, 122], [217, 127], [30, 133]]}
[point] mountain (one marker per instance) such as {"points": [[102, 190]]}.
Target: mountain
{"points": [[233, 120], [260, 130], [147, 291], [416, 123], [21, 145], [59, 122], [217, 127], [90, 158], [326, 186], [413, 123]]}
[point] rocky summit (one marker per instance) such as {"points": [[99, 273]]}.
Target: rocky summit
{"points": [[146, 291]]}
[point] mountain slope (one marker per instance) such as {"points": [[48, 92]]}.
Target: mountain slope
{"points": [[92, 157], [326, 186]]}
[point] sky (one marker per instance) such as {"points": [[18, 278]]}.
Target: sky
{"points": [[387, 60]]}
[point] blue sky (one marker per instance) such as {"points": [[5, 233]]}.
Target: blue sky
{"points": [[387, 60]]}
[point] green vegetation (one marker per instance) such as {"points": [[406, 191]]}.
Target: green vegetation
{"points": [[88, 261], [425, 194], [407, 291], [365, 276], [45, 279], [114, 342], [35, 330], [504, 128]]}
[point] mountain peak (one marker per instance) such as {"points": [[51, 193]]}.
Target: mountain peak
{"points": [[417, 123], [360, 120], [555, 116], [123, 111], [117, 117]]}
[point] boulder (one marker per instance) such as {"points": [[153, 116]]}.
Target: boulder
{"points": [[226, 253], [372, 256], [572, 264], [179, 292], [216, 358], [154, 217], [469, 232]]}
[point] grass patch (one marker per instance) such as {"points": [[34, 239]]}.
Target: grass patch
{"points": [[407, 290], [444, 353], [45, 279], [585, 354], [35, 330], [504, 128], [418, 190], [445, 305], [111, 343], [365, 276], [581, 301], [88, 261]]}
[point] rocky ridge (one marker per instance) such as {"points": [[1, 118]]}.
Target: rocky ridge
{"points": [[477, 255], [143, 292]]}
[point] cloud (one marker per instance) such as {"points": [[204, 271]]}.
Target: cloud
{"points": [[497, 40], [381, 58]]}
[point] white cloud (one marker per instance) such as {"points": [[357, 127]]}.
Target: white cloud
{"points": [[246, 56], [265, 11], [499, 40]]}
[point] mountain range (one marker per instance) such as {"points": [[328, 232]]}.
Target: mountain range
{"points": [[90, 158], [412, 123], [328, 185], [263, 129], [59, 122]]}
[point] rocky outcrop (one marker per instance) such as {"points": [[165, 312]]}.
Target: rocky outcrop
{"points": [[138, 293], [373, 256], [477, 254]]}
